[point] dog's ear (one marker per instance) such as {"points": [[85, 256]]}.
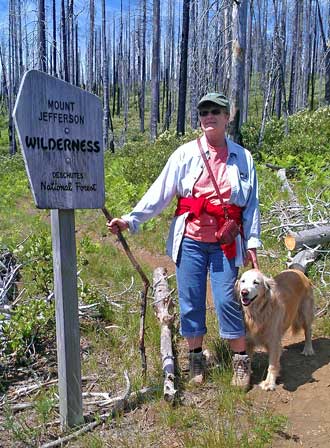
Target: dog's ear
{"points": [[236, 291], [269, 286]]}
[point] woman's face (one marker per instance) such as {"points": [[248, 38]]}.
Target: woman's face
{"points": [[213, 119]]}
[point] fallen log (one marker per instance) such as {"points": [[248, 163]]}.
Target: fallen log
{"points": [[163, 305], [307, 238], [302, 259]]}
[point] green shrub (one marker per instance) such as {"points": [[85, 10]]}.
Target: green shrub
{"points": [[29, 324], [37, 259]]}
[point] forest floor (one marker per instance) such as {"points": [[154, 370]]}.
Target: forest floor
{"points": [[301, 397], [303, 390]]}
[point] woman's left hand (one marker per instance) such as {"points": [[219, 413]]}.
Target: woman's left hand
{"points": [[251, 257]]}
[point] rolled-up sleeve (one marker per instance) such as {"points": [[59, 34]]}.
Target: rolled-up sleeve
{"points": [[158, 196], [251, 214]]}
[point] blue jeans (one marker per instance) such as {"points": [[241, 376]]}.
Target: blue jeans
{"points": [[195, 260]]}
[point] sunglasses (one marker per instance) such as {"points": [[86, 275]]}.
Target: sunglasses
{"points": [[205, 112]]}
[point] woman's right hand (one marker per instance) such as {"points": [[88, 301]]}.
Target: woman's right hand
{"points": [[116, 225]]}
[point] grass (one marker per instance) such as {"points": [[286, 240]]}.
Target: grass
{"points": [[217, 415]]}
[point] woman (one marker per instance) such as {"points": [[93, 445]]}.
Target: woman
{"points": [[192, 241]]}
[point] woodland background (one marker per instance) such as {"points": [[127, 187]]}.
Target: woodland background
{"points": [[150, 62], [157, 59]]}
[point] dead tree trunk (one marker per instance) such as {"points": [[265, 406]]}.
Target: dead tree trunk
{"points": [[54, 48], [296, 58], [154, 116], [180, 128], [142, 64], [314, 59], [11, 77], [20, 42], [41, 36], [168, 67], [163, 307], [327, 63], [237, 75], [106, 98], [90, 79], [64, 43], [194, 70], [248, 64], [307, 53]]}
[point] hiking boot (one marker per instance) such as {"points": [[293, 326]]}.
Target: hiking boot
{"points": [[196, 367], [242, 371]]}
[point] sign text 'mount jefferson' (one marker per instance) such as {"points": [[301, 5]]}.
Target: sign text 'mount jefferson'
{"points": [[61, 112]]}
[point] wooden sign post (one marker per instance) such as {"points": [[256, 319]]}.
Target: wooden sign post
{"points": [[60, 131]]}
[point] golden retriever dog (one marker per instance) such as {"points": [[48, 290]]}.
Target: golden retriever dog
{"points": [[271, 306]]}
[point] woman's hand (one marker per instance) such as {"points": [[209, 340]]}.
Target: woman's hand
{"points": [[251, 257], [116, 225]]}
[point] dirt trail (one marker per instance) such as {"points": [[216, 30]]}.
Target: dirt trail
{"points": [[303, 391], [302, 395]]}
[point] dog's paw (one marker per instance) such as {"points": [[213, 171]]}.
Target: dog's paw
{"points": [[266, 385], [308, 351]]}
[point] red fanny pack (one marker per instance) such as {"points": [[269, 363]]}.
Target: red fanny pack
{"points": [[228, 231]]}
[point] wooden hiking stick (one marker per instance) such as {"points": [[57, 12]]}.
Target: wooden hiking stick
{"points": [[143, 293]]}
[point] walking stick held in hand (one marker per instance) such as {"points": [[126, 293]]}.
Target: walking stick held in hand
{"points": [[146, 285]]}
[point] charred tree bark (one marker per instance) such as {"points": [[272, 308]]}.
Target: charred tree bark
{"points": [[306, 53], [11, 76], [20, 41], [314, 59], [90, 79], [54, 47], [168, 67], [154, 117], [180, 128], [142, 64], [41, 36], [64, 43], [106, 98], [327, 63], [194, 71]]}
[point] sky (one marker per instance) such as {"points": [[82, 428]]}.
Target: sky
{"points": [[112, 5]]}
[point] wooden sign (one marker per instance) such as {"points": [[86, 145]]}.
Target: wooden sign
{"points": [[60, 131]]}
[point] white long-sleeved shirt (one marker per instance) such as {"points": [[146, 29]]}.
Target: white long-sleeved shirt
{"points": [[177, 179]]}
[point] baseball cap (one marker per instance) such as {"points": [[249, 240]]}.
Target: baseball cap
{"points": [[217, 98]]}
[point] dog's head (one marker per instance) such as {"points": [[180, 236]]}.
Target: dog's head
{"points": [[252, 286]]}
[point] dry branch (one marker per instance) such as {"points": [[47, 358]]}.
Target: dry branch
{"points": [[281, 174], [304, 228], [24, 391], [162, 306], [302, 259], [144, 293], [123, 403]]}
